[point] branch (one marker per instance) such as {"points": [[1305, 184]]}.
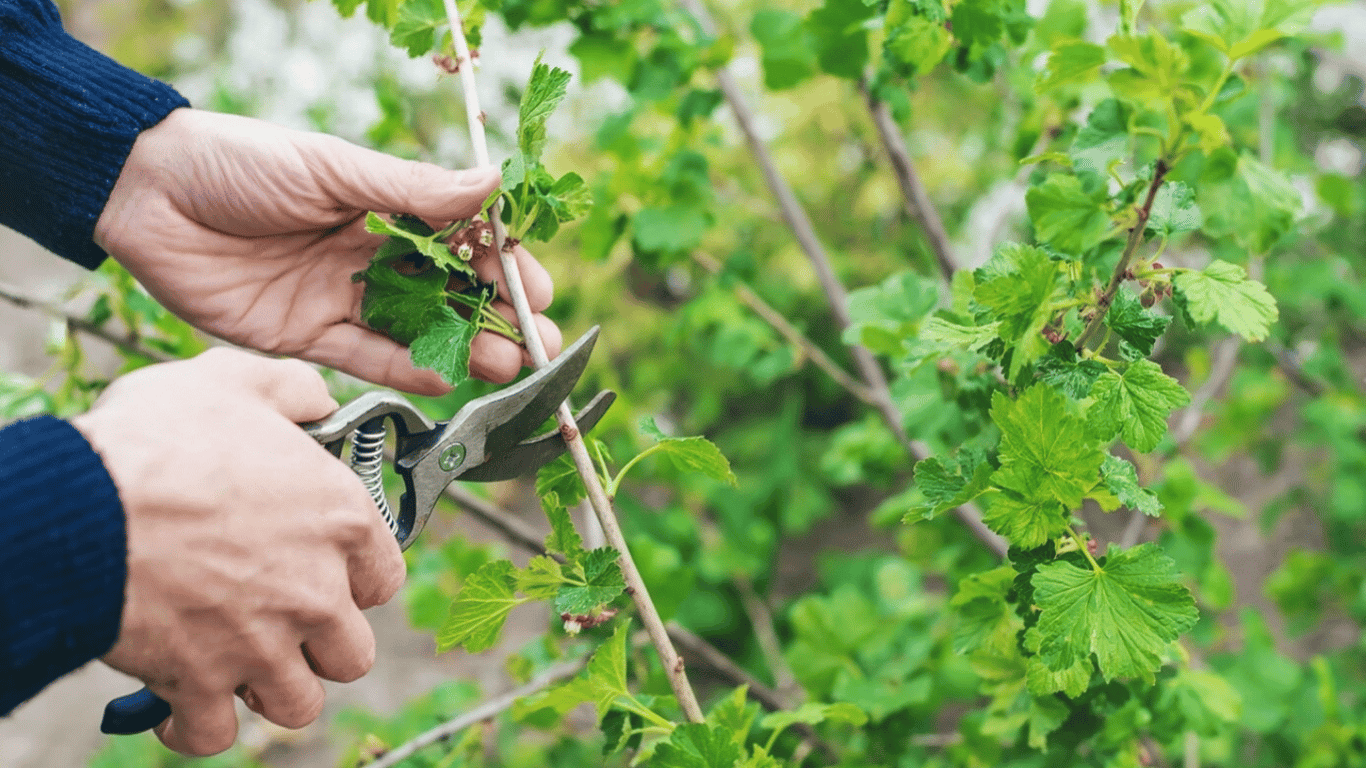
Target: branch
{"points": [[128, 343], [761, 618], [1130, 248], [790, 332], [915, 199], [484, 711], [797, 220], [578, 450]]}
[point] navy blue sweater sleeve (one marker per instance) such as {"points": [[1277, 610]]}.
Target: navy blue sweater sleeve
{"points": [[64, 550], [68, 118]]}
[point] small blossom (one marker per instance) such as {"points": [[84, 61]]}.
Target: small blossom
{"points": [[486, 238], [465, 252]]}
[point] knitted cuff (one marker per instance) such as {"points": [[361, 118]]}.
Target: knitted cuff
{"points": [[64, 549], [69, 116]]}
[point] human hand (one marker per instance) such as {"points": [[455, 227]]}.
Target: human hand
{"points": [[251, 549], [251, 232]]}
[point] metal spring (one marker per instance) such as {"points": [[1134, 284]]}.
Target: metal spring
{"points": [[367, 460]]}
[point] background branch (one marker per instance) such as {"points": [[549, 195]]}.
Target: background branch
{"points": [[128, 343]]}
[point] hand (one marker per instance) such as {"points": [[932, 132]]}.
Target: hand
{"points": [[251, 232], [251, 549]]}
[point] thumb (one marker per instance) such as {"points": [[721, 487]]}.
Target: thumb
{"points": [[367, 180], [291, 387]]}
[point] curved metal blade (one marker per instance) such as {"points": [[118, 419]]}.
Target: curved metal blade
{"points": [[530, 455]]}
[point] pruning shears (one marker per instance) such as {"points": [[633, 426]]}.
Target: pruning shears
{"points": [[490, 438]]}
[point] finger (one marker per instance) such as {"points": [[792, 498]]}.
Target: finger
{"points": [[290, 696], [203, 726], [497, 359], [343, 650], [368, 180], [540, 288], [375, 565], [372, 356], [291, 387]]}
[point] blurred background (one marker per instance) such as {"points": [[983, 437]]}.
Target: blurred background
{"points": [[1272, 459]]}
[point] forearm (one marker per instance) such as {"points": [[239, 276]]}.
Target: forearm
{"points": [[64, 550], [69, 116]]}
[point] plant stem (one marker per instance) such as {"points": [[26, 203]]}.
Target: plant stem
{"points": [[915, 198], [1081, 545], [130, 343], [484, 711], [800, 224], [1130, 248], [578, 450]]}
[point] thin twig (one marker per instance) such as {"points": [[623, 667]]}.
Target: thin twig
{"points": [[787, 330], [578, 450], [127, 343], [915, 199], [515, 529], [484, 711], [1130, 248], [761, 618], [800, 224]]}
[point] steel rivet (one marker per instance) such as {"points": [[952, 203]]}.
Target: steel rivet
{"points": [[452, 457]]}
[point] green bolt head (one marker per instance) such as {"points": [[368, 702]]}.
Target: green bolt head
{"points": [[452, 457]]}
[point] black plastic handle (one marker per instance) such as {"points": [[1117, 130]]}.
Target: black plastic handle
{"points": [[134, 713]]}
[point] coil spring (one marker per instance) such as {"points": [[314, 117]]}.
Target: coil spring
{"points": [[367, 460]]}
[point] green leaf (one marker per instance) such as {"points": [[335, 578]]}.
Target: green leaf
{"points": [[1121, 478], [985, 618], [597, 581], [403, 306], [1067, 374], [671, 228], [606, 671], [917, 44], [416, 25], [1135, 405], [1174, 210], [561, 478], [1126, 613], [942, 333], [949, 483], [563, 538], [1103, 142], [883, 316], [444, 346], [840, 37], [1026, 519], [698, 745], [1072, 679], [481, 608], [544, 92], [541, 579], [1044, 451], [1136, 325], [1240, 28], [1242, 199], [1224, 293], [1065, 216], [1071, 61], [1018, 286], [813, 713], [735, 714], [696, 455], [788, 56]]}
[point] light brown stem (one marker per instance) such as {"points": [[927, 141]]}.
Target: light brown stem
{"points": [[578, 450], [915, 199], [484, 711], [788, 331], [127, 343], [805, 233]]}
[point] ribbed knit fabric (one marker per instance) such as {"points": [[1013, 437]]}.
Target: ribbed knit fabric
{"points": [[64, 553], [68, 118]]}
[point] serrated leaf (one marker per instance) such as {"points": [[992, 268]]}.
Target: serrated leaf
{"points": [[403, 306], [1223, 292], [1065, 216], [916, 45], [947, 483], [1136, 325], [1044, 450], [840, 36], [444, 346], [814, 713], [561, 478], [1018, 286], [1074, 378], [1104, 140], [985, 619], [606, 671], [698, 745], [734, 713], [1121, 478], [945, 334], [481, 608], [544, 91], [541, 579], [1071, 61], [691, 454], [1072, 679], [563, 538], [1026, 519], [415, 29], [597, 580], [1174, 210], [788, 57], [1126, 613], [1135, 405]]}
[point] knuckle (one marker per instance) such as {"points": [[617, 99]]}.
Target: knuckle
{"points": [[299, 709]]}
